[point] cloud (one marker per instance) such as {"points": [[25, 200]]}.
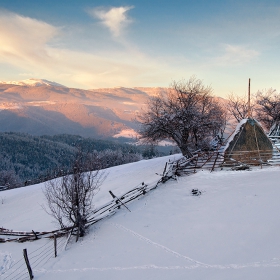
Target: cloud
{"points": [[114, 18], [27, 74], [236, 55], [28, 46], [23, 38]]}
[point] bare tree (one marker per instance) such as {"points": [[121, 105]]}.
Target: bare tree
{"points": [[237, 107], [69, 198], [268, 107], [187, 114]]}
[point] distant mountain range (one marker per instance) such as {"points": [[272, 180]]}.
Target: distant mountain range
{"points": [[41, 107], [32, 82]]}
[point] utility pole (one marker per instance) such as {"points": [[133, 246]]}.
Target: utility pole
{"points": [[249, 97]]}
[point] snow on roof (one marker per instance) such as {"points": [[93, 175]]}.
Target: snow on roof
{"points": [[237, 129]]}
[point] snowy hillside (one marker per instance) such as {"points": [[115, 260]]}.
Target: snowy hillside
{"points": [[229, 232], [32, 82]]}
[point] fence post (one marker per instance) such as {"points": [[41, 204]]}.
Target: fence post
{"points": [[213, 167], [164, 169], [36, 237], [55, 245], [28, 264], [196, 162]]}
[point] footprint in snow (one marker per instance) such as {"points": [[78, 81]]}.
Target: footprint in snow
{"points": [[5, 262]]}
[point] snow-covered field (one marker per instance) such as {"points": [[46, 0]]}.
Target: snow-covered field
{"points": [[229, 232]]}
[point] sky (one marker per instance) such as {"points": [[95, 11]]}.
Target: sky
{"points": [[138, 43]]}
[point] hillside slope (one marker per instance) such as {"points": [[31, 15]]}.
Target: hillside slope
{"points": [[229, 232]]}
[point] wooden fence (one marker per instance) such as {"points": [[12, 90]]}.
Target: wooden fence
{"points": [[218, 160], [108, 209], [211, 160], [24, 268]]}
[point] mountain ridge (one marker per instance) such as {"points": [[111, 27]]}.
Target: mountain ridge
{"points": [[31, 82], [50, 107]]}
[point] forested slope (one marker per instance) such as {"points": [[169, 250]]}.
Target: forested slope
{"points": [[26, 159]]}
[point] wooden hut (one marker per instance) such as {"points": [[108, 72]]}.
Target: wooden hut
{"points": [[249, 144]]}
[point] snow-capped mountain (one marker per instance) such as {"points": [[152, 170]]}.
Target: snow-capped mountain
{"points": [[38, 106], [32, 82]]}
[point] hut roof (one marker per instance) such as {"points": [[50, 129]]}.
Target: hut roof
{"points": [[248, 136]]}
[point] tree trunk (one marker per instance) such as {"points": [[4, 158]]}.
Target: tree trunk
{"points": [[185, 151]]}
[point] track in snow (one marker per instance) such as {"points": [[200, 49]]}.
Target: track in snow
{"points": [[275, 262], [194, 264]]}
